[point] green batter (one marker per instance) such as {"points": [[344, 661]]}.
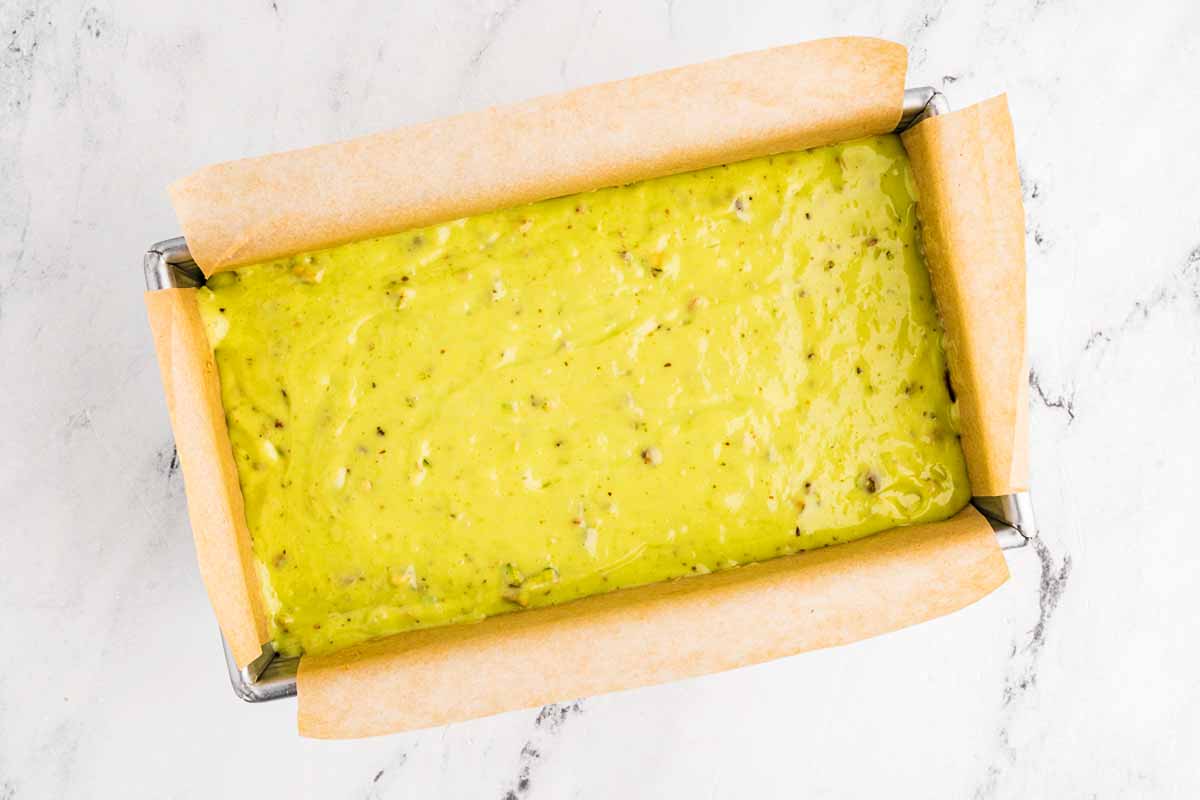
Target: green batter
{"points": [[611, 389]]}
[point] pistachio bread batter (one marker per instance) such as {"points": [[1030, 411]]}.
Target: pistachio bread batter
{"points": [[598, 391]]}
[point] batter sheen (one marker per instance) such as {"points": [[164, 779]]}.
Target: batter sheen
{"points": [[605, 390]]}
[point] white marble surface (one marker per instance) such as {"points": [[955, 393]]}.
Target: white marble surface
{"points": [[1079, 678]]}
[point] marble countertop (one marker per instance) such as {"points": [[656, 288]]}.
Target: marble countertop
{"points": [[1078, 678]]}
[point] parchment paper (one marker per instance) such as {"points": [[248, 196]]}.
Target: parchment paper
{"points": [[965, 164], [214, 496], [790, 98]]}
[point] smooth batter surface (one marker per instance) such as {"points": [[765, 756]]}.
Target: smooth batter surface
{"points": [[606, 390]]}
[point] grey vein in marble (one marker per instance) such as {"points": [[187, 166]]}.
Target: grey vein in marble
{"points": [[1064, 403], [1021, 674], [1182, 284], [547, 724]]}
